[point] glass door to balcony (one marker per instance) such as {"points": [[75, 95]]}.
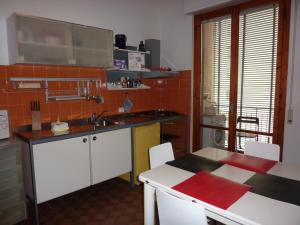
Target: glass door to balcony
{"points": [[238, 89], [215, 94], [258, 32]]}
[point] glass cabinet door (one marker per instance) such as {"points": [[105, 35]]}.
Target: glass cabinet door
{"points": [[37, 40], [92, 46], [43, 41], [216, 42]]}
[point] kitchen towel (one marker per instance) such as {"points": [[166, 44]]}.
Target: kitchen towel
{"points": [[212, 189]]}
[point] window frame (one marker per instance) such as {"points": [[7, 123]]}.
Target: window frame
{"points": [[281, 69]]}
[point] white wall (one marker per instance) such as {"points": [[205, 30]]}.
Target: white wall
{"points": [[138, 19], [291, 148], [196, 6], [176, 35]]}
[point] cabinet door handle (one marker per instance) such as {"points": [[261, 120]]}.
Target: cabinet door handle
{"points": [[84, 140], [94, 138]]}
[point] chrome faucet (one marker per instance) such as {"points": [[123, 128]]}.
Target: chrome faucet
{"points": [[100, 115], [94, 118]]}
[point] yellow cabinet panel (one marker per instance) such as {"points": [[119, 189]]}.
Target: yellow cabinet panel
{"points": [[144, 138]]}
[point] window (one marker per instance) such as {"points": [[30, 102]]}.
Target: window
{"points": [[241, 68], [257, 69]]}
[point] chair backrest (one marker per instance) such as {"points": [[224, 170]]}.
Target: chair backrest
{"points": [[176, 211], [248, 120], [160, 154], [262, 150]]}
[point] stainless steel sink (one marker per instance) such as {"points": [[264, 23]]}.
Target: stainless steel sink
{"points": [[104, 122]]}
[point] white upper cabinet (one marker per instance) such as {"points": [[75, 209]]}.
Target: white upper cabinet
{"points": [[92, 46], [36, 40], [39, 41]]}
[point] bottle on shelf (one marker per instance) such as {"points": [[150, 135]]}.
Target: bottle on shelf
{"points": [[142, 47]]}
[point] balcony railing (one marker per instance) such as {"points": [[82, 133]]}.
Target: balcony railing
{"points": [[265, 116]]}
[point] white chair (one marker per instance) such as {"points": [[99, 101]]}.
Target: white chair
{"points": [[160, 154], [262, 150], [176, 211]]}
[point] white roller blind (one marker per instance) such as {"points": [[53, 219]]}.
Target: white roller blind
{"points": [[222, 49], [257, 65]]}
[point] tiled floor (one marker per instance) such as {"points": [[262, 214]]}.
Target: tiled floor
{"points": [[110, 203]]}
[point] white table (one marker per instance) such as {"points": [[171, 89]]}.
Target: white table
{"points": [[250, 209]]}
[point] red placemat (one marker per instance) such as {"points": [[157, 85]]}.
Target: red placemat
{"points": [[212, 189], [255, 164]]}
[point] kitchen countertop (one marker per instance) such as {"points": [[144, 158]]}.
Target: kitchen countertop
{"points": [[81, 127]]}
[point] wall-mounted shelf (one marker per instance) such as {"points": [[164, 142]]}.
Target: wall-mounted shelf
{"points": [[122, 54], [80, 90], [158, 74], [112, 87], [115, 75], [129, 50]]}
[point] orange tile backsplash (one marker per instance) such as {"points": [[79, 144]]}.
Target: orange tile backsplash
{"points": [[168, 93]]}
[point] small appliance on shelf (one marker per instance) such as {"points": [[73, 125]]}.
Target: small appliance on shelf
{"points": [[136, 61], [120, 41]]}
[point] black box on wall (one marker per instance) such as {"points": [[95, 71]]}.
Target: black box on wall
{"points": [[152, 61]]}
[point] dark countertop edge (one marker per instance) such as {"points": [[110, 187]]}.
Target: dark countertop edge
{"points": [[90, 132]]}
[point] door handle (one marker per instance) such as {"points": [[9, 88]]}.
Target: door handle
{"points": [[94, 138], [84, 140]]}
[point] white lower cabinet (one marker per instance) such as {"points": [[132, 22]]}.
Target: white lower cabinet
{"points": [[61, 167], [64, 166], [110, 154]]}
